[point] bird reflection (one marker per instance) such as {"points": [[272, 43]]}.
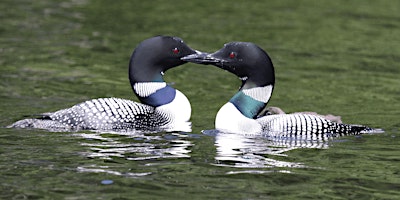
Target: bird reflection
{"points": [[136, 146], [256, 151], [151, 148]]}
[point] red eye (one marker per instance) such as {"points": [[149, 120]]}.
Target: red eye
{"points": [[232, 55], [175, 50]]}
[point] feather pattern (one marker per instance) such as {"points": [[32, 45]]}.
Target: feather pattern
{"points": [[145, 89], [307, 126], [101, 114]]}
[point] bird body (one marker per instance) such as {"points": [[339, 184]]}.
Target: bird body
{"points": [[161, 107], [245, 111]]}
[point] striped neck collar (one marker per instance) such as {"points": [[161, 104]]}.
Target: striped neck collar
{"points": [[154, 93], [250, 102]]}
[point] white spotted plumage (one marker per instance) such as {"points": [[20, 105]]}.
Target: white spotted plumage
{"points": [[117, 114], [302, 126]]}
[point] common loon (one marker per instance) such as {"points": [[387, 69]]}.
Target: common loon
{"points": [[245, 111], [162, 107]]}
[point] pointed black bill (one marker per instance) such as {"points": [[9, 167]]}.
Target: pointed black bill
{"points": [[201, 58]]}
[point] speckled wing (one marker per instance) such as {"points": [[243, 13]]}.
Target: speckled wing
{"points": [[110, 114], [306, 126]]}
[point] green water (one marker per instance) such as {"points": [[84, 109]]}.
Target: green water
{"points": [[339, 57]]}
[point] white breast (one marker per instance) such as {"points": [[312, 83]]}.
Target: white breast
{"points": [[230, 119], [179, 111]]}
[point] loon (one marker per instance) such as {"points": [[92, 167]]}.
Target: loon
{"points": [[246, 110], [162, 107]]}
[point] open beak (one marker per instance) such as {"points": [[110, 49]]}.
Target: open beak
{"points": [[201, 58]]}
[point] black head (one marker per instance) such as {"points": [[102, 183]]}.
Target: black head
{"points": [[246, 60], [156, 55]]}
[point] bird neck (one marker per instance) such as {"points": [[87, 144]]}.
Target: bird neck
{"points": [[147, 82], [154, 93], [251, 101]]}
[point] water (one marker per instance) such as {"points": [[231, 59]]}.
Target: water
{"points": [[54, 54], [37, 164]]}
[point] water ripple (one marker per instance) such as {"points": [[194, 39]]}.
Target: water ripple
{"points": [[105, 169]]}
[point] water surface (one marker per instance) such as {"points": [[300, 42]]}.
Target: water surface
{"points": [[334, 57]]}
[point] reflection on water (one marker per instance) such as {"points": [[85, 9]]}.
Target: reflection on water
{"points": [[135, 146], [251, 151]]}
